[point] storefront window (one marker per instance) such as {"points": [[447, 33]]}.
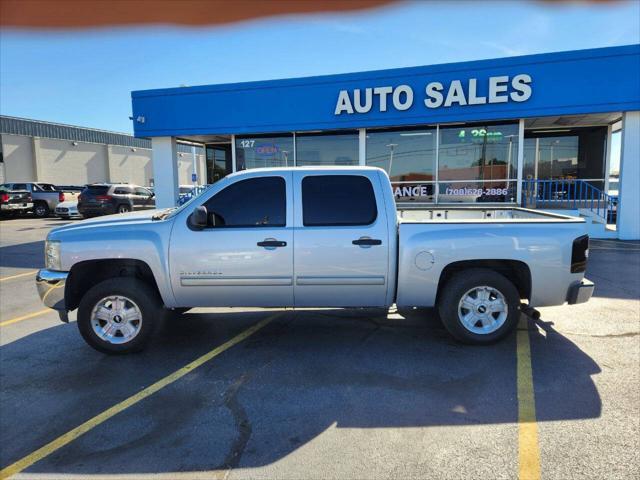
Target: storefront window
{"points": [[478, 152], [406, 155], [409, 157], [327, 149], [264, 151], [557, 157], [576, 153]]}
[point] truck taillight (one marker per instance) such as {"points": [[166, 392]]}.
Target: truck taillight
{"points": [[579, 254], [61, 197], [4, 197], [80, 198]]}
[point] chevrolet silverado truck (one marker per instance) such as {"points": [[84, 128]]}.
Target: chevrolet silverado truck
{"points": [[311, 237]]}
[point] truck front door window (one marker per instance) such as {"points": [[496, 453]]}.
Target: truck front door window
{"points": [[256, 202]]}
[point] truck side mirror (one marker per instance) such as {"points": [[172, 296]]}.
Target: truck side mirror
{"points": [[198, 218]]}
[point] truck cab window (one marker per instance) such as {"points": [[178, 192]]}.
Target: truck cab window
{"points": [[338, 200], [256, 202]]}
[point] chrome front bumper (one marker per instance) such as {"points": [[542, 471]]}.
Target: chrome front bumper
{"points": [[580, 292], [50, 286]]}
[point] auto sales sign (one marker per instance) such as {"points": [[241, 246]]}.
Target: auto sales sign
{"points": [[497, 89]]}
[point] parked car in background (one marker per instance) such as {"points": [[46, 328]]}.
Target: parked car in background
{"points": [[71, 188], [107, 198], [46, 196], [14, 202], [68, 210]]}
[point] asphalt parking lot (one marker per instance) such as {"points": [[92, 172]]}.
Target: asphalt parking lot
{"points": [[322, 394]]}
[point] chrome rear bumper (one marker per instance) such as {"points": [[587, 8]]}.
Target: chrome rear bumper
{"points": [[50, 286]]}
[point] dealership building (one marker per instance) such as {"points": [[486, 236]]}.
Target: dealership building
{"points": [[558, 131], [535, 130]]}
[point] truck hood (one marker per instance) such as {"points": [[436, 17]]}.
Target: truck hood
{"points": [[120, 219]]}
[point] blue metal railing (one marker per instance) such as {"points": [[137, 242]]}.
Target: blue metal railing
{"points": [[185, 197], [569, 194]]}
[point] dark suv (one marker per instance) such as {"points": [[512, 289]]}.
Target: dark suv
{"points": [[105, 199]]}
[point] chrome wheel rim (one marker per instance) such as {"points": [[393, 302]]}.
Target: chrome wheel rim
{"points": [[123, 209], [116, 319], [483, 310]]}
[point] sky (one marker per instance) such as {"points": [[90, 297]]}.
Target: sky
{"points": [[84, 77]]}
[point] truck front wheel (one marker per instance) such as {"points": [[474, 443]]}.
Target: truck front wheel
{"points": [[479, 306], [118, 315]]}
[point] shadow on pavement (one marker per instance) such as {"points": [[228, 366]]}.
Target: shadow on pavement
{"points": [[614, 266], [24, 255], [304, 373]]}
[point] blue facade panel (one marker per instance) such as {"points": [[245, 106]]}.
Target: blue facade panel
{"points": [[576, 82]]}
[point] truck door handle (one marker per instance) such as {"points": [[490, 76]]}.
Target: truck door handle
{"points": [[367, 242], [272, 243]]}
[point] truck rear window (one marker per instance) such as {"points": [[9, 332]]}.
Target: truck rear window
{"points": [[338, 200]]}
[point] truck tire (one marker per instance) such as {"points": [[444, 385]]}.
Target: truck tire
{"points": [[41, 210], [124, 208], [479, 306], [118, 315]]}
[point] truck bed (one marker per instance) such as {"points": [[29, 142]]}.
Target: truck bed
{"points": [[480, 214]]}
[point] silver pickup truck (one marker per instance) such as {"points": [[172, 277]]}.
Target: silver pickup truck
{"points": [[311, 237]]}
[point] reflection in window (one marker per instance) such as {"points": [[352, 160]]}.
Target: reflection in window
{"points": [[264, 151], [478, 152], [558, 157], [327, 149], [406, 155]]}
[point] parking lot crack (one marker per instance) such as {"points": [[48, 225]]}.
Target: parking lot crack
{"points": [[242, 423]]}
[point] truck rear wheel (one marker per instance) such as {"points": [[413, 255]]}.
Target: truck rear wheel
{"points": [[479, 306], [118, 315]]}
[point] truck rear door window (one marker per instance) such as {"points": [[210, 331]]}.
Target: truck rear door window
{"points": [[338, 200], [255, 202]]}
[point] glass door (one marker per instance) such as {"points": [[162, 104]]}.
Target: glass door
{"points": [[218, 162]]}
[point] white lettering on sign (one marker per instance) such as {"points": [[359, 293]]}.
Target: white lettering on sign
{"points": [[382, 93], [410, 191], [499, 89]]}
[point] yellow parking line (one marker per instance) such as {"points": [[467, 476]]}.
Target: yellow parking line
{"points": [[71, 435], [4, 279], [528, 451], [25, 317]]}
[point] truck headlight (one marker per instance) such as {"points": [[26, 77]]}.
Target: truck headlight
{"points": [[52, 255]]}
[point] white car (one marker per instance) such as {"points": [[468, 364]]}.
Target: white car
{"points": [[68, 210]]}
